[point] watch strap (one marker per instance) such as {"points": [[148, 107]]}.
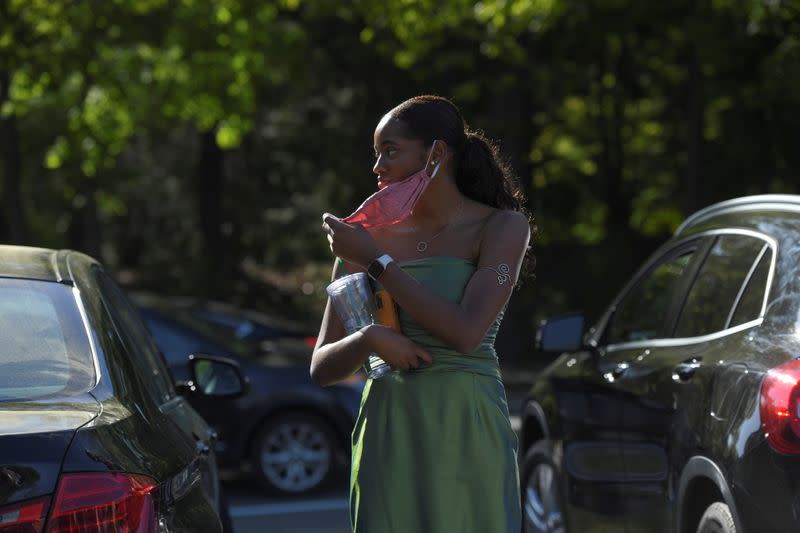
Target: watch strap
{"points": [[378, 266]]}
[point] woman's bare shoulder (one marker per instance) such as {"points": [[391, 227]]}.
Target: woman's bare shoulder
{"points": [[504, 225], [494, 218], [508, 216]]}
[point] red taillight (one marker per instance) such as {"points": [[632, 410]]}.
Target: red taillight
{"points": [[100, 502], [780, 400], [310, 341], [26, 517]]}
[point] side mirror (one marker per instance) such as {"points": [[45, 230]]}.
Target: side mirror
{"points": [[561, 334], [219, 377]]}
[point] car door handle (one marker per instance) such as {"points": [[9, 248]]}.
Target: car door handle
{"points": [[202, 448], [619, 370], [685, 370]]}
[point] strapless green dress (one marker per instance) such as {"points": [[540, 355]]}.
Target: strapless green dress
{"points": [[433, 448]]}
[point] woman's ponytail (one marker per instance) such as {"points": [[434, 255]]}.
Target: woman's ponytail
{"points": [[481, 173], [483, 176]]}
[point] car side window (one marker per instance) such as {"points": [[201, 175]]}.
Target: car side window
{"points": [[751, 302], [137, 339], [717, 285], [643, 311]]}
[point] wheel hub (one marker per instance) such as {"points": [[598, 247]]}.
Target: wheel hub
{"points": [[295, 456], [542, 511]]}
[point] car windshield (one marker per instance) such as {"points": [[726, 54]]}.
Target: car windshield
{"points": [[44, 350], [273, 352], [279, 351], [245, 323]]}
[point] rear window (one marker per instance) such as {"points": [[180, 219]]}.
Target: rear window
{"points": [[44, 350], [718, 285]]}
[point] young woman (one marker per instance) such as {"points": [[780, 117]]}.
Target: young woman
{"points": [[433, 448]]}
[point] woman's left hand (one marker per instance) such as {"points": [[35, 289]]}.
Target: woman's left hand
{"points": [[351, 242]]}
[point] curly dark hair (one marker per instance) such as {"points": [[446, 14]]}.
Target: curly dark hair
{"points": [[481, 173]]}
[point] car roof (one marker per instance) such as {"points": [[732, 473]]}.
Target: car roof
{"points": [[38, 263], [762, 202]]}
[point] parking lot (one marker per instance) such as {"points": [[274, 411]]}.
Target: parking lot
{"points": [[252, 512]]}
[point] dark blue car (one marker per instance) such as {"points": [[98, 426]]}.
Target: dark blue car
{"points": [[293, 435]]}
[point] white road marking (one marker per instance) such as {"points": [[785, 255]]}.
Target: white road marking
{"points": [[310, 506]]}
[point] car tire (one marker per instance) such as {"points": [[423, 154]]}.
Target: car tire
{"points": [[717, 519], [541, 493], [295, 453]]}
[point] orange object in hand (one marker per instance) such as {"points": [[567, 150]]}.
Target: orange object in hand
{"points": [[387, 312]]}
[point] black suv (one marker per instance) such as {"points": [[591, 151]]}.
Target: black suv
{"points": [[680, 409]]}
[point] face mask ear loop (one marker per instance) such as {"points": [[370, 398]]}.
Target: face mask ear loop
{"points": [[436, 168]]}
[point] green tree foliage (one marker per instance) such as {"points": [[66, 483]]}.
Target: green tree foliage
{"points": [[193, 144]]}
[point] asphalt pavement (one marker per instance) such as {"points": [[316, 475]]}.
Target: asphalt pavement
{"points": [[252, 511], [327, 512]]}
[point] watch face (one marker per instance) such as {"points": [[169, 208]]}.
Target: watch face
{"points": [[375, 269], [378, 266]]}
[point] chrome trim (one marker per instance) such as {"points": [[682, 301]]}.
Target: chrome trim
{"points": [[179, 485], [745, 283], [681, 341], [773, 244], [54, 261], [770, 277], [171, 404], [89, 334], [769, 202], [678, 341]]}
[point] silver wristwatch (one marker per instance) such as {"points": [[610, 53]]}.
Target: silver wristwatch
{"points": [[377, 266]]}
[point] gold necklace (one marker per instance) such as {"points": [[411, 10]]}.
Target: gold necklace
{"points": [[423, 244]]}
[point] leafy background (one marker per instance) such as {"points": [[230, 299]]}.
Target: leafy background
{"points": [[192, 145]]}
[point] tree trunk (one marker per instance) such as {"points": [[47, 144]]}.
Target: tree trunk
{"points": [[210, 198], [612, 158], [692, 199], [84, 230], [12, 219], [511, 114]]}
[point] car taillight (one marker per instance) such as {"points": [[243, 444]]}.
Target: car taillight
{"points": [[780, 401], [100, 502], [26, 517], [310, 341]]}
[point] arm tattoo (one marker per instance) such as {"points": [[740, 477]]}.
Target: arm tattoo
{"points": [[502, 271]]}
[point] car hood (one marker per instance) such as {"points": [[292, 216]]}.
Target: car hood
{"points": [[34, 437]]}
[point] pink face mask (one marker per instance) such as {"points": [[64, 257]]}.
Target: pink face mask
{"points": [[393, 203]]}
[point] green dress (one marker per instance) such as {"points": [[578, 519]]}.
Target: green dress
{"points": [[433, 448]]}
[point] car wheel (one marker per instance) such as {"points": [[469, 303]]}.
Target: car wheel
{"points": [[294, 453], [717, 519], [542, 508]]}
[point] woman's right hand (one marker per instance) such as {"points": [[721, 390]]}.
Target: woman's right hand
{"points": [[400, 352]]}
